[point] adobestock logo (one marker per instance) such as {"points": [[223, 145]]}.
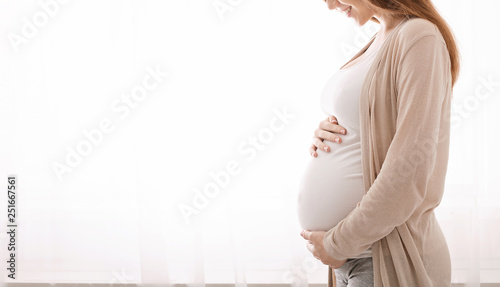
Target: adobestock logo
{"points": [[31, 26], [122, 106], [460, 112], [221, 7], [221, 179], [362, 36], [299, 273]]}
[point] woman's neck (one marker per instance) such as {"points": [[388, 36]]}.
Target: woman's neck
{"points": [[387, 24]]}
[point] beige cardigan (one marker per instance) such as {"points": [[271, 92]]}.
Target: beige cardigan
{"points": [[404, 130]]}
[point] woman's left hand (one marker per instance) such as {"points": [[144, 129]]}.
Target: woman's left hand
{"points": [[315, 245]]}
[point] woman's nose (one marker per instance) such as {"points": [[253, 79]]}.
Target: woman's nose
{"points": [[334, 4], [331, 4]]}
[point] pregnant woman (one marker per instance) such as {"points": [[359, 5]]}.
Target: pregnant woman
{"points": [[367, 197]]}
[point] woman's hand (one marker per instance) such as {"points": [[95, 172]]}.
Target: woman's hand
{"points": [[315, 245], [326, 131]]}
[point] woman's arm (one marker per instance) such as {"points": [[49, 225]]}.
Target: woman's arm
{"points": [[423, 94]]}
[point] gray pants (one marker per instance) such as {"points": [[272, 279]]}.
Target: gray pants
{"points": [[356, 272]]}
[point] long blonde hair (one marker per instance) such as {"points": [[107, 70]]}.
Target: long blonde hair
{"points": [[426, 10]]}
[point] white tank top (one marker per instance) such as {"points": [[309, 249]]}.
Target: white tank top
{"points": [[332, 184]]}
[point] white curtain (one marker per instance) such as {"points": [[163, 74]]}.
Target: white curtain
{"points": [[161, 142]]}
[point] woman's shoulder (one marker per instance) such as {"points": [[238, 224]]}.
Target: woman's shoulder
{"points": [[412, 31], [416, 28]]}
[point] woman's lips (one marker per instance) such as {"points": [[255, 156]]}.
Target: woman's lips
{"points": [[347, 11]]}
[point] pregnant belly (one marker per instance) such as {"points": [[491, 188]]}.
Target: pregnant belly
{"points": [[330, 188]]}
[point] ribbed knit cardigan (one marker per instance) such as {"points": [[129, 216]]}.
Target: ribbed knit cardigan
{"points": [[404, 130]]}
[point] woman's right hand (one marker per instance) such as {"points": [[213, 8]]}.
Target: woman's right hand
{"points": [[326, 130]]}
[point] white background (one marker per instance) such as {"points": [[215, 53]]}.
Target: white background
{"points": [[115, 217]]}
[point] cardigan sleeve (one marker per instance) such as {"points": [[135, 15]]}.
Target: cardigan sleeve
{"points": [[421, 83]]}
